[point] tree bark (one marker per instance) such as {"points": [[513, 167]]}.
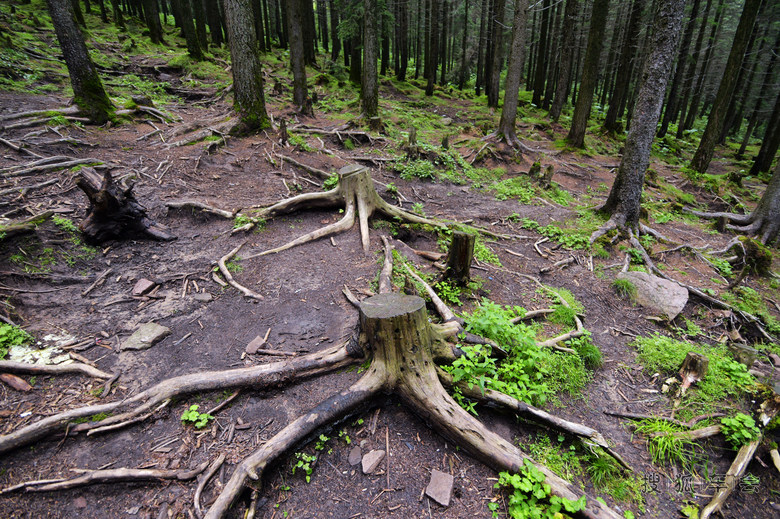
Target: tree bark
{"points": [[541, 59], [693, 108], [766, 216], [249, 99], [481, 44], [335, 47], [152, 18], [493, 89], [506, 126], [715, 121], [623, 203], [461, 250], [628, 55], [295, 33], [88, 92], [566, 58], [432, 54], [188, 29], [590, 74], [369, 91]]}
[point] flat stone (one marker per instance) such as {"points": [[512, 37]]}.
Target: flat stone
{"points": [[355, 455], [371, 461], [145, 337], [143, 286], [203, 297], [446, 121], [658, 294], [257, 343], [440, 487]]}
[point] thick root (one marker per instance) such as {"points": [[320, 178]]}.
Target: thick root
{"points": [[53, 369]]}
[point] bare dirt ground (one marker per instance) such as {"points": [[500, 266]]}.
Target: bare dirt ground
{"points": [[305, 311]]}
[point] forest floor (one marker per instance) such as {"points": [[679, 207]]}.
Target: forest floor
{"points": [[44, 274]]}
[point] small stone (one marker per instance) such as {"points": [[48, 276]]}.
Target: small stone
{"points": [[355, 456], [145, 337], [257, 343], [143, 286], [80, 502], [446, 121], [658, 294], [371, 461], [203, 297], [775, 358], [440, 487]]}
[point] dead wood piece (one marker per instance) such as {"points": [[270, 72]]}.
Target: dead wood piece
{"points": [[70, 110], [114, 213], [693, 369], [733, 475], [562, 264], [429, 255], [265, 375], [350, 296], [314, 171], [12, 228], [223, 128], [23, 190], [229, 277], [52, 369], [206, 208], [695, 434], [50, 167], [533, 314], [91, 477], [99, 280], [385, 276], [19, 148], [459, 258], [213, 468], [15, 382], [441, 307]]}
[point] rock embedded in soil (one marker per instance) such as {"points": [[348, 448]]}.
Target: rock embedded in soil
{"points": [[440, 487], [143, 286], [203, 297], [355, 456], [658, 294], [371, 461], [145, 337]]}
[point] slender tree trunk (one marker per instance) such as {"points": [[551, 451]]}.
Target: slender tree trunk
{"points": [[506, 127], [119, 20], [691, 74], [322, 17], [443, 41], [200, 23], [769, 144], [77, 13], [590, 74], [215, 24], [188, 28], [766, 215], [766, 86], [701, 160], [554, 52], [566, 58], [623, 203], [247, 72], [497, 56], [482, 44], [464, 38], [432, 57], [103, 13], [628, 54], [295, 33], [334, 35], [385, 42], [355, 62], [88, 92], [369, 91], [152, 18], [403, 40], [541, 60], [693, 108]]}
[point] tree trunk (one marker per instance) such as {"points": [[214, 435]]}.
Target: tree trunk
{"points": [[215, 24], [481, 44], [295, 33], [247, 72], [493, 89], [403, 40], [200, 23], [715, 121], [385, 26], [766, 216], [770, 143], [334, 35], [77, 12], [88, 92], [117, 12], [566, 58], [432, 56], [322, 20], [541, 55], [628, 54], [765, 87], [590, 74], [188, 28], [369, 91], [506, 127], [555, 50], [693, 107], [152, 18], [623, 203], [461, 250]]}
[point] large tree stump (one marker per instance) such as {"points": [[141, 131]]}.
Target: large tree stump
{"points": [[459, 258], [114, 213]]}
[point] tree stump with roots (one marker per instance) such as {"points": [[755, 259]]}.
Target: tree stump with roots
{"points": [[459, 258]]}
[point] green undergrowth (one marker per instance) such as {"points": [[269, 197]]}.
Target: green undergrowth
{"points": [[11, 336], [530, 497], [665, 447], [749, 300], [726, 378]]}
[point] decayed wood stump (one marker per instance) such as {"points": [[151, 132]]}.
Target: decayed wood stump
{"points": [[459, 258], [114, 213]]}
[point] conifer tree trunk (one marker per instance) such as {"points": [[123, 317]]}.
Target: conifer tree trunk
{"points": [[496, 55], [484, 15], [309, 33], [103, 13], [506, 127], [766, 86], [715, 121], [590, 74], [200, 23], [385, 42], [188, 28], [541, 56], [628, 54], [369, 85], [693, 107], [295, 34], [443, 41], [566, 58], [77, 13], [432, 55], [335, 47], [247, 71], [88, 92], [119, 21], [403, 39], [554, 53], [322, 18], [770, 143], [152, 19], [215, 23], [691, 73], [623, 203], [464, 38]]}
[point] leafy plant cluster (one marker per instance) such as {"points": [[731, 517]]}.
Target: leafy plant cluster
{"points": [[571, 239], [739, 429], [304, 462], [749, 300], [192, 416], [530, 496], [10, 336]]}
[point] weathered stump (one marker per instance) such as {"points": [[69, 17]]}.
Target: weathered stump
{"points": [[693, 369], [114, 213], [459, 258]]}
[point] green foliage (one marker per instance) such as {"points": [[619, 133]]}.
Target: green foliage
{"points": [[448, 292], [520, 188], [749, 300], [739, 430], [564, 314], [331, 182], [571, 239], [664, 446], [420, 169], [10, 336], [624, 288], [588, 352], [199, 420], [305, 462], [531, 497], [564, 461], [300, 142]]}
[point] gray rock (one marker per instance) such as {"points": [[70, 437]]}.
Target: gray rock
{"points": [[355, 455], [143, 286], [203, 297], [371, 461], [145, 337], [446, 121], [658, 294], [440, 487]]}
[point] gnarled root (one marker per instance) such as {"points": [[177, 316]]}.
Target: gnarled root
{"points": [[53, 369], [257, 376]]}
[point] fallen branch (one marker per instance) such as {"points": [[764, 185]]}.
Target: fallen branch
{"points": [[206, 208], [52, 369], [314, 171], [213, 468]]}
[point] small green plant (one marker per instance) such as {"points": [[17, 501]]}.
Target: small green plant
{"points": [[344, 436], [321, 442], [199, 420], [624, 288], [11, 335], [531, 497], [418, 208], [448, 292], [588, 352], [305, 462], [331, 182], [739, 430], [664, 445], [300, 143], [233, 265], [420, 169]]}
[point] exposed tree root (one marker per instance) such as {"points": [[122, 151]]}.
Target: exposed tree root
{"points": [[52, 369], [91, 477], [229, 277], [46, 164], [264, 375], [196, 205], [70, 110], [510, 140], [751, 224], [10, 228], [213, 468]]}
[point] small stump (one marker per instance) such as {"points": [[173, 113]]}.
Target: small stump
{"points": [[459, 259]]}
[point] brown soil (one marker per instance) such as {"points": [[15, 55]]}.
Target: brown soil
{"points": [[305, 311]]}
